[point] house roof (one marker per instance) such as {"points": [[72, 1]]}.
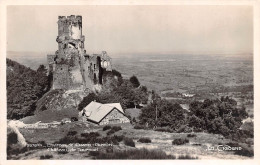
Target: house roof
{"points": [[96, 111]]}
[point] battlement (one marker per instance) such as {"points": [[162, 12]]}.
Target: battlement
{"points": [[71, 18]]}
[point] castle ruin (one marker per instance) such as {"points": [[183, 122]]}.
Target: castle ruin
{"points": [[71, 67]]}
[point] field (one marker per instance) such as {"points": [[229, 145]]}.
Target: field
{"points": [[187, 73], [197, 146], [167, 73]]}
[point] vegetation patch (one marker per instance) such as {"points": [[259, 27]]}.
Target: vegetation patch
{"points": [[114, 129], [187, 157], [191, 135], [24, 88], [145, 140], [139, 127], [107, 127], [129, 142], [180, 141], [135, 154]]}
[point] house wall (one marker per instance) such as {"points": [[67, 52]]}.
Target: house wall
{"points": [[114, 117]]}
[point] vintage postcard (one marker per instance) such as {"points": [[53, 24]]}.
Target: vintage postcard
{"points": [[141, 81]]}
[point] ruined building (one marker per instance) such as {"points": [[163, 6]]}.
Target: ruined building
{"points": [[71, 67]]}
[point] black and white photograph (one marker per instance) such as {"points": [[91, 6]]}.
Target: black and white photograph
{"points": [[129, 82]]}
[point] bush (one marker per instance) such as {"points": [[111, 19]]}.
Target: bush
{"points": [[107, 127], [91, 134], [88, 99], [129, 142], [12, 138], [72, 133], [145, 140], [187, 157], [135, 154], [73, 119], [134, 81], [139, 127], [191, 135], [184, 129], [110, 132], [119, 138], [116, 128], [46, 156], [180, 141]]}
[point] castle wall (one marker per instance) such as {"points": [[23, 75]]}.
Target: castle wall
{"points": [[61, 77]]}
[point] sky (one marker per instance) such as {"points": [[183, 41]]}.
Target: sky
{"points": [[136, 29]]}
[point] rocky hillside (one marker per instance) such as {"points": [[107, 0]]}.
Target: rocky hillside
{"points": [[59, 99]]}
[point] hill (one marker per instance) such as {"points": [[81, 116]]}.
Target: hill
{"points": [[24, 88]]}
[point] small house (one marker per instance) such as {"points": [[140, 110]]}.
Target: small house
{"points": [[103, 114]]}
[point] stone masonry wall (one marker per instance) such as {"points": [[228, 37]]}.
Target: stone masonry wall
{"points": [[114, 117]]}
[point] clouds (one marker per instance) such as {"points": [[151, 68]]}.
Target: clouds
{"points": [[133, 29]]}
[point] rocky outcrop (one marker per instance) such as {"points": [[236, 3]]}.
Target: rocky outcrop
{"points": [[13, 125], [60, 99]]}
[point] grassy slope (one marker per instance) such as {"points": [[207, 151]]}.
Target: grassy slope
{"points": [[160, 141], [50, 115]]}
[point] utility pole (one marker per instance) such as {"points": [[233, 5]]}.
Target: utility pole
{"points": [[156, 113]]}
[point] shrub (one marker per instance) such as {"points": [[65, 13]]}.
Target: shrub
{"points": [[107, 127], [191, 135], [134, 81], [116, 128], [110, 132], [88, 99], [185, 129], [91, 134], [73, 119], [68, 139], [180, 141], [145, 140], [46, 156], [72, 133], [139, 127], [42, 142], [12, 138], [187, 157], [135, 154], [129, 142], [119, 138]]}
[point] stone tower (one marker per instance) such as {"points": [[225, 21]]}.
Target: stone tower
{"points": [[71, 67]]}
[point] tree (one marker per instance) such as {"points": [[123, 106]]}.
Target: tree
{"points": [[216, 116], [168, 114], [134, 81], [24, 88], [88, 99]]}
